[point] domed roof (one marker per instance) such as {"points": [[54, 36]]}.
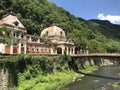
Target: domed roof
{"points": [[53, 31]]}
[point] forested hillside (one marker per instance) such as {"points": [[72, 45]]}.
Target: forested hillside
{"points": [[96, 35]]}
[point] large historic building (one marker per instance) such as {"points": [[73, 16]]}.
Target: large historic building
{"points": [[51, 41]]}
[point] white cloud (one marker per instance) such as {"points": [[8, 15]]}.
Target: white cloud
{"points": [[115, 19]]}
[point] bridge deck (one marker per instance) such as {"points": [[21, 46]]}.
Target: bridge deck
{"points": [[97, 55]]}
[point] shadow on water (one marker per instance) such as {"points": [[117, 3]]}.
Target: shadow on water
{"points": [[100, 76]]}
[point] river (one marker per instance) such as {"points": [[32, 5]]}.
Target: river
{"points": [[101, 79]]}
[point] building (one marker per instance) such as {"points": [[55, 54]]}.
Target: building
{"points": [[18, 42], [51, 41], [58, 38]]}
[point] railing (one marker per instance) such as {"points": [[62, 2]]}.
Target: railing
{"points": [[97, 55]]}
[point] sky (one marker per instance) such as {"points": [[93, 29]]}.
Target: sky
{"points": [[92, 9]]}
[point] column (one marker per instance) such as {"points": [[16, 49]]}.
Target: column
{"points": [[19, 47], [73, 50], [67, 50], [25, 47], [19, 35], [55, 51], [11, 49], [24, 37], [30, 40], [70, 51], [52, 50], [87, 51], [63, 50], [2, 48], [38, 40], [80, 51]]}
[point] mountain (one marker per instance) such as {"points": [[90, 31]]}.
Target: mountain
{"points": [[94, 35], [108, 29]]}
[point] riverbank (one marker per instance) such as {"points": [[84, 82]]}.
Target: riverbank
{"points": [[43, 72], [85, 70], [53, 81], [47, 82]]}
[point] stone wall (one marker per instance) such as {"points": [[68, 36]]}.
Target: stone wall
{"points": [[4, 79]]}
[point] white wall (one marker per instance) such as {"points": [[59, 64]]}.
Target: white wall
{"points": [[2, 48]]}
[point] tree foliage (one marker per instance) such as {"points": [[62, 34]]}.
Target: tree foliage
{"points": [[5, 35], [38, 14]]}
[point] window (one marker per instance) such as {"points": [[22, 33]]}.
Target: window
{"points": [[49, 50], [42, 50], [22, 35], [22, 44], [14, 34], [28, 48], [37, 49], [47, 33], [15, 43], [34, 39], [33, 48], [17, 34], [41, 40], [45, 49], [16, 23], [61, 32]]}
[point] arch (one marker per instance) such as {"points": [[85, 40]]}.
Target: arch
{"points": [[69, 50], [59, 50], [72, 51], [77, 50], [47, 32]]}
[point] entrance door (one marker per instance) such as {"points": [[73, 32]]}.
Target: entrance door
{"points": [[59, 50]]}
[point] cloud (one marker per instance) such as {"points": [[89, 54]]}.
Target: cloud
{"points": [[115, 19]]}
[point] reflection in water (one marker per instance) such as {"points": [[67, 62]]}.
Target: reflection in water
{"points": [[101, 79]]}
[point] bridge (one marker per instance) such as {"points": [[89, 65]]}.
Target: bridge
{"points": [[96, 58], [90, 55], [108, 55]]}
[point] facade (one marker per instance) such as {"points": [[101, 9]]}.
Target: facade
{"points": [[57, 36], [18, 31], [51, 41]]}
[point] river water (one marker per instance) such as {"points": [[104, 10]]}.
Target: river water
{"points": [[101, 79]]}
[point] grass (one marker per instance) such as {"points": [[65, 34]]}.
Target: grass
{"points": [[88, 69], [53, 81]]}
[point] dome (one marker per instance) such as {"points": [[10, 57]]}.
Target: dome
{"points": [[53, 32]]}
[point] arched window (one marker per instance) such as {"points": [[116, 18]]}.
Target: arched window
{"points": [[61, 32], [69, 50], [59, 50], [16, 23], [72, 51], [47, 33]]}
